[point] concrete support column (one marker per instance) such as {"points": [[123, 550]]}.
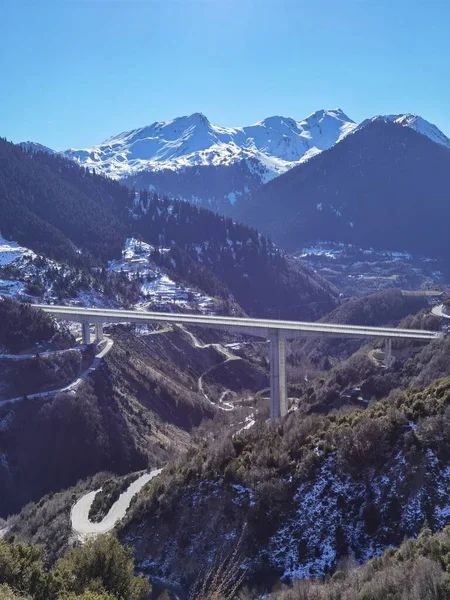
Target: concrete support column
{"points": [[99, 331], [278, 391], [387, 353], [86, 332]]}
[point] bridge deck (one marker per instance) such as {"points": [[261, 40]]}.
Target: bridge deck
{"points": [[258, 327], [275, 331]]}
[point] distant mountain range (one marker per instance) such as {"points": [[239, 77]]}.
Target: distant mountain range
{"points": [[191, 159], [277, 143]]}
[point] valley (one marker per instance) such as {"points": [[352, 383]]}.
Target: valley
{"points": [[224, 300], [319, 441]]}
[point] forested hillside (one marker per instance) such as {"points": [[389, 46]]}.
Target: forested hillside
{"points": [[263, 279], [216, 187], [385, 308], [383, 186], [23, 327], [138, 408], [62, 211], [302, 493], [54, 207]]}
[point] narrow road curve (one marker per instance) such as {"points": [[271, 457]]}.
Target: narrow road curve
{"points": [[225, 352], [71, 386], [79, 516], [438, 311], [44, 353]]}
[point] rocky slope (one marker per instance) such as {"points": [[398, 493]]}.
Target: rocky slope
{"points": [[137, 409]]}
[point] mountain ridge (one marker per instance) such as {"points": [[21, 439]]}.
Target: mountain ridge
{"points": [[189, 158], [193, 140], [377, 188]]}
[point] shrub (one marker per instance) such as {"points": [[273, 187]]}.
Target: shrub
{"points": [[102, 566]]}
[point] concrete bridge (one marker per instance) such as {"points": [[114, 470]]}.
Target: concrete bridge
{"points": [[277, 332]]}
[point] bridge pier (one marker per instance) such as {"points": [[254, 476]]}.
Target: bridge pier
{"points": [[278, 390], [86, 332], [387, 353], [98, 332]]}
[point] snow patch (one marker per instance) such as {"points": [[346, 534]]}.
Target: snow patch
{"points": [[11, 251]]}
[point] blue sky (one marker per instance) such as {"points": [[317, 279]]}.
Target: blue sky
{"points": [[75, 72]]}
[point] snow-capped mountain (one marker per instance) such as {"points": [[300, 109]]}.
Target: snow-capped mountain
{"points": [[383, 186], [277, 143], [191, 159], [414, 122], [422, 126]]}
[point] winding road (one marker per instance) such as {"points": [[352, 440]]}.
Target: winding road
{"points": [[71, 386], [229, 356], [83, 528], [37, 353]]}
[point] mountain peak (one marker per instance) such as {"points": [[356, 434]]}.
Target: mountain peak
{"points": [[199, 118], [331, 113], [277, 121], [277, 143], [415, 122], [35, 147]]}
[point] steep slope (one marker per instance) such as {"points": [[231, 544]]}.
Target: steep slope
{"points": [[421, 126], [54, 207], [191, 159], [137, 409], [262, 279], [303, 493], [384, 308], [384, 186], [218, 187]]}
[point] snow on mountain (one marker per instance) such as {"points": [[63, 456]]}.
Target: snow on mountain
{"points": [[277, 143], [418, 124], [189, 158], [36, 147], [157, 290], [422, 126], [20, 267], [11, 251]]}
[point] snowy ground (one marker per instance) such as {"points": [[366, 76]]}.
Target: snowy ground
{"points": [[136, 258], [360, 271], [157, 289], [13, 255], [11, 288], [11, 251], [19, 266]]}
